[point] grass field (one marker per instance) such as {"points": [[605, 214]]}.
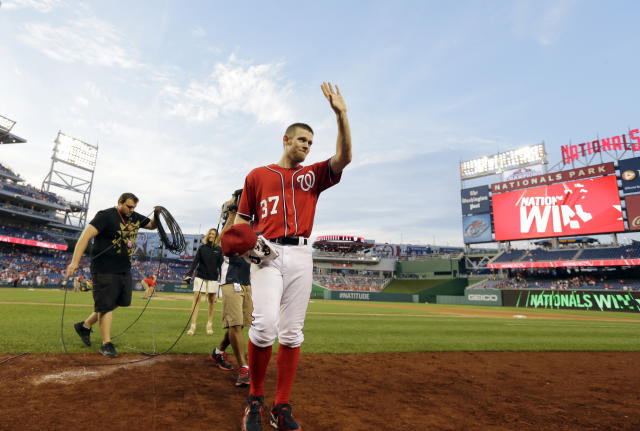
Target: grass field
{"points": [[30, 321]]}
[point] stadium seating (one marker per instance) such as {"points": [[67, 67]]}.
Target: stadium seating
{"points": [[7, 187], [562, 284], [543, 255], [511, 256], [28, 266], [630, 251], [351, 282]]}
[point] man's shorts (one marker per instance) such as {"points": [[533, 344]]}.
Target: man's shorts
{"points": [[205, 286], [236, 305], [111, 291]]}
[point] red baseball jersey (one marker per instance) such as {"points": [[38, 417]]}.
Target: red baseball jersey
{"points": [[282, 202]]}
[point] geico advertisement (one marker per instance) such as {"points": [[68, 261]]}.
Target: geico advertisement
{"points": [[578, 207]]}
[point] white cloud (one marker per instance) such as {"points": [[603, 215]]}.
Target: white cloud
{"points": [[87, 40], [43, 6], [233, 87]]}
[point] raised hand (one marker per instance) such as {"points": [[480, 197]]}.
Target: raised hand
{"points": [[334, 97]]}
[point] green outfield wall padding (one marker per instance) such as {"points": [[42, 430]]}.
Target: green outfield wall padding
{"points": [[412, 285], [453, 287], [373, 296], [451, 299], [317, 291], [429, 267]]}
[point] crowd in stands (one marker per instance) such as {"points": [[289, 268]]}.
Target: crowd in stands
{"points": [[37, 266], [8, 171], [166, 270], [340, 279], [32, 192], [48, 214], [561, 279]]}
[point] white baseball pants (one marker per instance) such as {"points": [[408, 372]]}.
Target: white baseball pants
{"points": [[280, 291]]}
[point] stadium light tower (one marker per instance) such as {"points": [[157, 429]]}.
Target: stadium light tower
{"points": [[72, 167], [497, 163]]}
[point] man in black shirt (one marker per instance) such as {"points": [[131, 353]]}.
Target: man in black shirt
{"points": [[115, 231]]}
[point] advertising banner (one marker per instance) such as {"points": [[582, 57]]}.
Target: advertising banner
{"points": [[32, 242], [476, 228], [575, 208], [483, 296], [630, 175], [633, 211], [573, 300], [554, 178], [475, 200], [372, 296], [565, 264]]}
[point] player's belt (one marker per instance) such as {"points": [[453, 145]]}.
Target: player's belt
{"points": [[290, 240]]}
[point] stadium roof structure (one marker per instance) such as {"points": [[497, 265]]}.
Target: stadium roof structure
{"points": [[10, 138], [6, 137]]}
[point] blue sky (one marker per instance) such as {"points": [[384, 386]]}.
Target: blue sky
{"points": [[185, 97]]}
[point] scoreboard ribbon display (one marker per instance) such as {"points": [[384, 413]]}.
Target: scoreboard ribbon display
{"points": [[587, 206]]}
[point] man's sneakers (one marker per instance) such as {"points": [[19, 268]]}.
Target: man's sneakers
{"points": [[243, 377], [252, 419], [108, 350], [221, 360], [84, 333], [281, 418]]}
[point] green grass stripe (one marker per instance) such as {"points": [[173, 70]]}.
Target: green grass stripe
{"points": [[30, 322]]}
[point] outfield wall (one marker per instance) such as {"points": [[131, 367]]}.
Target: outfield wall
{"points": [[370, 296], [473, 297], [573, 300]]}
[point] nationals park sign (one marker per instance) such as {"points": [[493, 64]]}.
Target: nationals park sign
{"points": [[555, 177]]}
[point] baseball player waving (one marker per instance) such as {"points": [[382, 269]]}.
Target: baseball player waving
{"points": [[280, 200]]}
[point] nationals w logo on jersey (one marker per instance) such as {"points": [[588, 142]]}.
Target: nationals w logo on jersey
{"points": [[307, 181]]}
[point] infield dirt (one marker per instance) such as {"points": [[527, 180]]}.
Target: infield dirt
{"points": [[398, 391]]}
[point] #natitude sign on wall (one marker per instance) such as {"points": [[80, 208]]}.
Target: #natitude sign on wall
{"points": [[575, 208]]}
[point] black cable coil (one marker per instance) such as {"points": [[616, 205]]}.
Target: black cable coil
{"points": [[164, 218]]}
